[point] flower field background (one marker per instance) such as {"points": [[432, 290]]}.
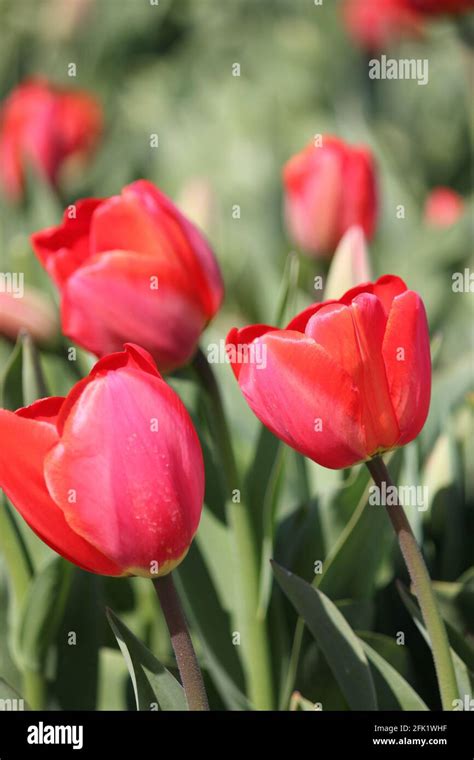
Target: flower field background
{"points": [[208, 100]]}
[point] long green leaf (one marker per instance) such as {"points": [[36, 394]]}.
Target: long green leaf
{"points": [[464, 678], [344, 574], [394, 693], [152, 682], [42, 612], [10, 699], [341, 647]]}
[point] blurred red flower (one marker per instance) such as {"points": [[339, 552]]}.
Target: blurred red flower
{"points": [[345, 380], [328, 189], [111, 477], [44, 125], [132, 268], [376, 24], [443, 207]]}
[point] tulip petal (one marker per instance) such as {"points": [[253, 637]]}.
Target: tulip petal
{"points": [[144, 220], [386, 288], [294, 396], [301, 320], [353, 337], [26, 442], [208, 268], [130, 455], [132, 356], [406, 353], [64, 248], [117, 288], [43, 410], [238, 344]]}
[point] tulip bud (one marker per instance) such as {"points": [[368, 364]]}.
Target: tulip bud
{"points": [[328, 189], [346, 380], [350, 265], [44, 125], [443, 207], [132, 267], [112, 476]]}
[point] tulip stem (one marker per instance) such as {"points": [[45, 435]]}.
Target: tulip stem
{"points": [[191, 676], [253, 630], [423, 589]]}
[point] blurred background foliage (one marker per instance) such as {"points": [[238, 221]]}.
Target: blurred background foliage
{"points": [[167, 69]]}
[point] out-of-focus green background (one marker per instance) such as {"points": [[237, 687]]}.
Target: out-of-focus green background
{"points": [[223, 139]]}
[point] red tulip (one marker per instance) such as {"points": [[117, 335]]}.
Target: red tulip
{"points": [[345, 380], [132, 268], [328, 189], [111, 476], [443, 207], [44, 125], [376, 24]]}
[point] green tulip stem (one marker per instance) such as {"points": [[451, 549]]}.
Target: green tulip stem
{"points": [[191, 676], [423, 589], [254, 643]]}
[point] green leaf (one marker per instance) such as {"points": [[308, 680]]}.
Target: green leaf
{"points": [[15, 554], [33, 382], [11, 380], [211, 619], [22, 381], [393, 692], [289, 288], [76, 683], [8, 668], [42, 612], [11, 697], [350, 570], [269, 513], [341, 647], [113, 681], [359, 613], [464, 678], [152, 682]]}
